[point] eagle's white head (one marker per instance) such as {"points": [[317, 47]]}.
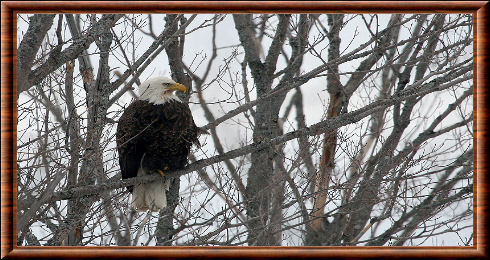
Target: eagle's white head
{"points": [[160, 90]]}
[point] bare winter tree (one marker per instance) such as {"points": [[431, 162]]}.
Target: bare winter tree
{"points": [[324, 129]]}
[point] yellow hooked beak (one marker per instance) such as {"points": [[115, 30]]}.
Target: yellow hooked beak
{"points": [[177, 86]]}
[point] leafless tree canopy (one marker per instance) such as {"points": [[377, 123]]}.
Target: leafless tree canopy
{"points": [[324, 129]]}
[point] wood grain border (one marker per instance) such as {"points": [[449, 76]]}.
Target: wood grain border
{"points": [[8, 129]]}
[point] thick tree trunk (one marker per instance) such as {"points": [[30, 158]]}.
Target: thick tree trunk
{"points": [[315, 232], [174, 50], [258, 190]]}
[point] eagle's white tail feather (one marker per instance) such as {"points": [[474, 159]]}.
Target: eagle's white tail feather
{"points": [[150, 196]]}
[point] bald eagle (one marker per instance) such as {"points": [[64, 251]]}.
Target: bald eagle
{"points": [[154, 135]]}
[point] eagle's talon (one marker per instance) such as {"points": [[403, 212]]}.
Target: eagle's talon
{"points": [[161, 173]]}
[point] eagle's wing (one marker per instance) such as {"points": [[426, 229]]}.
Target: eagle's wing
{"points": [[129, 136], [192, 132]]}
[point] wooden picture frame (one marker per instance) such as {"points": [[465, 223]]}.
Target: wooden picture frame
{"points": [[9, 10]]}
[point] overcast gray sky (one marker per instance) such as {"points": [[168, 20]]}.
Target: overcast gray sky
{"points": [[198, 48]]}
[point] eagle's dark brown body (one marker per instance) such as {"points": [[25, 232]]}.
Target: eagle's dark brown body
{"points": [[155, 137]]}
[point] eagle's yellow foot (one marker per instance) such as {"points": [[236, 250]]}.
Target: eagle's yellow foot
{"points": [[161, 172], [165, 168]]}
